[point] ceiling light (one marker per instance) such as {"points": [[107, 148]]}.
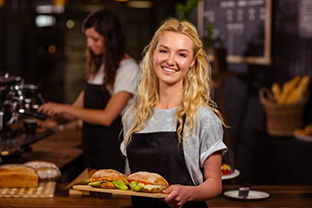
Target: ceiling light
{"points": [[140, 4]]}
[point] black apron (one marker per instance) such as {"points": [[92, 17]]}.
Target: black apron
{"points": [[161, 153], [101, 143]]}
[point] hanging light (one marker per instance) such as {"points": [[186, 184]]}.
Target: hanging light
{"points": [[140, 4], [1, 3], [59, 2]]}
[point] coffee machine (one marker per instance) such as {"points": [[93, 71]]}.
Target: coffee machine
{"points": [[18, 100]]}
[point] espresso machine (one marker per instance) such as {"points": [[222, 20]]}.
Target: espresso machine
{"points": [[17, 101]]}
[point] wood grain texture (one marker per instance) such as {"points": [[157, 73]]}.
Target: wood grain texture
{"points": [[44, 190], [119, 192]]}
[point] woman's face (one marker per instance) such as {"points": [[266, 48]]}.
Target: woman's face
{"points": [[95, 41], [173, 57]]}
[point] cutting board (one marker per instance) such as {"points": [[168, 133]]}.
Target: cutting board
{"points": [[44, 190], [86, 188]]}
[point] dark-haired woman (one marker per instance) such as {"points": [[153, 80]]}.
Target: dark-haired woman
{"points": [[112, 77]]}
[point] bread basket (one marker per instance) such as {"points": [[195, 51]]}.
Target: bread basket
{"points": [[281, 120]]}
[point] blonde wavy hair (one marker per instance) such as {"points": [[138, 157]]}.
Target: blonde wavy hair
{"points": [[196, 84]]}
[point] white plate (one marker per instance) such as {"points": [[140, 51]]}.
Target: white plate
{"points": [[252, 194], [232, 175], [303, 137]]}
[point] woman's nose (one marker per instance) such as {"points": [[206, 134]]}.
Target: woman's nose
{"points": [[170, 59], [89, 42]]}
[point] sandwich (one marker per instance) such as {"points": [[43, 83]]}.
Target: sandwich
{"points": [[18, 176], [147, 182], [110, 179]]}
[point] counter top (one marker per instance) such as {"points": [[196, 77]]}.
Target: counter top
{"points": [[280, 196], [61, 148]]}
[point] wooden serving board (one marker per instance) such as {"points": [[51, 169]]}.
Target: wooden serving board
{"points": [[44, 190], [86, 188]]}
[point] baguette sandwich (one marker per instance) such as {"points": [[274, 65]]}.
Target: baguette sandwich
{"points": [[147, 182], [18, 176], [110, 179]]}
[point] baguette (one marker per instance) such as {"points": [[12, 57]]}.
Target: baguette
{"points": [[297, 94], [277, 92], [18, 176], [288, 88]]}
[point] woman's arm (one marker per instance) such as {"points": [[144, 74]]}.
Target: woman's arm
{"points": [[101, 117], [52, 123], [211, 187]]}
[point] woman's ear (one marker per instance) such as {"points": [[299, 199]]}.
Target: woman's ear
{"points": [[192, 63]]}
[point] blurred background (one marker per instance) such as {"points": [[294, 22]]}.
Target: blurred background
{"points": [[41, 41]]}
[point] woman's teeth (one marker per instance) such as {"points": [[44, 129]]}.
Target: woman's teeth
{"points": [[168, 70]]}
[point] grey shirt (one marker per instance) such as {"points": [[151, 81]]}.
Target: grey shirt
{"points": [[203, 142]]}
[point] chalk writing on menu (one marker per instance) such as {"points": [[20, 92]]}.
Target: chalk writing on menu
{"points": [[244, 26], [305, 18]]}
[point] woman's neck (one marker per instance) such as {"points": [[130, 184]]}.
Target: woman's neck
{"points": [[169, 96]]}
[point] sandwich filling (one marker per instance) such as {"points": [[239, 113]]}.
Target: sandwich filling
{"points": [[118, 184], [137, 186]]}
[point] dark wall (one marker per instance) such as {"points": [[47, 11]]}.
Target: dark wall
{"points": [[260, 158]]}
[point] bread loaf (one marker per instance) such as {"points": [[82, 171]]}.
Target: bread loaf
{"points": [[47, 171], [18, 176]]}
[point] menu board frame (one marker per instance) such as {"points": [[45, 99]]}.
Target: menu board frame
{"points": [[232, 58]]}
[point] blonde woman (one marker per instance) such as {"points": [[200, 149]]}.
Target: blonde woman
{"points": [[174, 128]]}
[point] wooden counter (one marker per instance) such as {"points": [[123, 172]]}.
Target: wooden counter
{"points": [[280, 196], [61, 148]]}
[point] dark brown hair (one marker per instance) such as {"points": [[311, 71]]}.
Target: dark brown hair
{"points": [[106, 24]]}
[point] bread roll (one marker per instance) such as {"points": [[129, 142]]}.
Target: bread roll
{"points": [[110, 179], [47, 171], [147, 182], [18, 176]]}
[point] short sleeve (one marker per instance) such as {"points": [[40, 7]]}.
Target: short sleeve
{"points": [[127, 77], [212, 142], [210, 134]]}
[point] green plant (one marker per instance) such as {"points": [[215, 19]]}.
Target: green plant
{"points": [[212, 39], [185, 10]]}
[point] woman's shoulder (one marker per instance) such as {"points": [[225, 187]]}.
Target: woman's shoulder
{"points": [[207, 116], [128, 62], [128, 66]]}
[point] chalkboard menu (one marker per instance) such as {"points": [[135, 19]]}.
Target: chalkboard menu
{"points": [[244, 26], [305, 18]]}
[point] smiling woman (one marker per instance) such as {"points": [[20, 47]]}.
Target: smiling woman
{"points": [[174, 128]]}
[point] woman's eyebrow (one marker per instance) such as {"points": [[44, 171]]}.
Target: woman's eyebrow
{"points": [[182, 49]]}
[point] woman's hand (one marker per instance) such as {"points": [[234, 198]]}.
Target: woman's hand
{"points": [[51, 109], [178, 195]]}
